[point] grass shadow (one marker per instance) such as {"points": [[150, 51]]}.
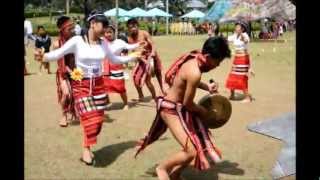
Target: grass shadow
{"points": [[108, 119], [29, 74], [115, 106], [240, 97], [108, 154], [145, 99], [136, 103], [225, 167], [74, 123]]}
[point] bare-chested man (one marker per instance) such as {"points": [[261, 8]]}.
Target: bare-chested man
{"points": [[178, 112], [65, 66], [142, 70]]}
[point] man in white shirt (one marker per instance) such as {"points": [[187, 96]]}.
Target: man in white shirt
{"points": [[27, 36], [27, 31], [77, 28]]}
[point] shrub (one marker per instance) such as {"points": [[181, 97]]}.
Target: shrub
{"points": [[33, 14]]}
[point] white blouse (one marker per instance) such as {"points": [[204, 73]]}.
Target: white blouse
{"points": [[237, 43], [88, 57]]}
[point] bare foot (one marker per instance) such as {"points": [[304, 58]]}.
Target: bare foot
{"points": [[91, 154], [87, 157], [246, 100], [63, 122], [125, 107], [162, 173]]}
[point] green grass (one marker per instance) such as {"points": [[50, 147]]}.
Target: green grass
{"points": [[47, 22], [52, 152]]}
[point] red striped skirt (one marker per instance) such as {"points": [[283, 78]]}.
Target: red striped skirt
{"points": [[90, 107], [238, 78], [115, 83]]}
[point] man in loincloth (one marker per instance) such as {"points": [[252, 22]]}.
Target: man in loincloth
{"points": [[178, 112], [65, 66], [142, 71]]}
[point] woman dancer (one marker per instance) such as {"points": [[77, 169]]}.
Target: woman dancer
{"points": [[87, 82], [114, 74], [238, 77]]}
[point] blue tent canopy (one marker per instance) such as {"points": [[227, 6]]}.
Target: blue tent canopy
{"points": [[112, 12], [217, 11], [194, 14], [234, 10], [137, 12], [155, 12]]}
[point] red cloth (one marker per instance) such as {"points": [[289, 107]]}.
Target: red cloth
{"points": [[140, 73], [114, 79], [90, 107], [174, 68], [142, 70], [197, 133], [238, 78]]}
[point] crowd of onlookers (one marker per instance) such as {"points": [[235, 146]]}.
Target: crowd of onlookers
{"points": [[42, 40], [268, 30], [272, 30]]}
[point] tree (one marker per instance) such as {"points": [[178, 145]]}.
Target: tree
{"points": [[67, 6], [177, 7]]}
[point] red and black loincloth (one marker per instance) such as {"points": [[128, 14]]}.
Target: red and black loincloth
{"points": [[238, 77], [90, 102], [142, 69], [65, 66], [197, 133]]}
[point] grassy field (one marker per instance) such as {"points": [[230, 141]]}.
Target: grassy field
{"points": [[52, 152]]}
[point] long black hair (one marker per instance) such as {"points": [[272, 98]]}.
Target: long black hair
{"points": [[96, 16], [243, 25]]}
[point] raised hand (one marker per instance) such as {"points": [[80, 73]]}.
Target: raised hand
{"points": [[213, 87]]}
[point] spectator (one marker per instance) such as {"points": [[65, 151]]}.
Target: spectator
{"points": [[43, 40], [210, 30], [77, 27], [27, 36], [280, 29], [216, 29]]}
